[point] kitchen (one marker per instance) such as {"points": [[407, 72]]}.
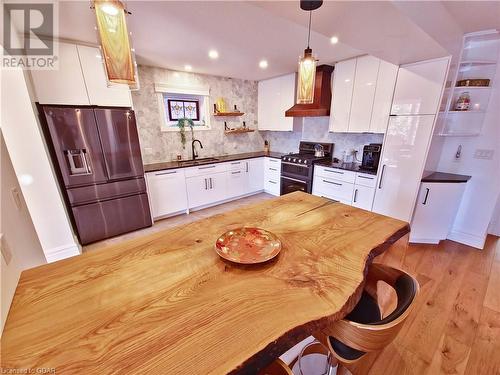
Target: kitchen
{"points": [[195, 137]]}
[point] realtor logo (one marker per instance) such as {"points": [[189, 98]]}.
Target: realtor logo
{"points": [[28, 35]]}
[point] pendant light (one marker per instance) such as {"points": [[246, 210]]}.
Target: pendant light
{"points": [[307, 63], [118, 55]]}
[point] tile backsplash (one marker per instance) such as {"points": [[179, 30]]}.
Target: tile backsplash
{"points": [[315, 129], [158, 145]]}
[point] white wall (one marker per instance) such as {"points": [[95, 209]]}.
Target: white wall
{"points": [[480, 197], [18, 234], [31, 163]]}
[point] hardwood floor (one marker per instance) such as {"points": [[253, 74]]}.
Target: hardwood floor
{"points": [[455, 327]]}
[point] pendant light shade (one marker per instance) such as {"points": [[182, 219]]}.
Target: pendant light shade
{"points": [[307, 64], [118, 56], [306, 78]]}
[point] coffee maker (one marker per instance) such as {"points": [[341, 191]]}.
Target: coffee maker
{"points": [[371, 156]]}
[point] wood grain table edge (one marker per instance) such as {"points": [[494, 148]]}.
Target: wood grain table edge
{"points": [[273, 350]]}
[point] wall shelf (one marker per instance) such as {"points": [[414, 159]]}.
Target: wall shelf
{"points": [[228, 114], [239, 131], [477, 61]]}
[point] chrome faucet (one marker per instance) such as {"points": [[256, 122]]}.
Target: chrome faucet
{"points": [[193, 150]]}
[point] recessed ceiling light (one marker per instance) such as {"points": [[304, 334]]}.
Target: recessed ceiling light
{"points": [[213, 54], [188, 68], [263, 64], [334, 40]]}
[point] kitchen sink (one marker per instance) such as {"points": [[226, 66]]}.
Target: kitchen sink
{"points": [[198, 161]]}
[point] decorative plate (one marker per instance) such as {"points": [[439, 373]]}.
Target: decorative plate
{"points": [[248, 245]]}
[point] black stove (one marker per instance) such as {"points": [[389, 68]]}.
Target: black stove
{"points": [[297, 169]]}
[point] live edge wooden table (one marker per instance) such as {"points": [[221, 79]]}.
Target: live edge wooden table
{"points": [[167, 304]]}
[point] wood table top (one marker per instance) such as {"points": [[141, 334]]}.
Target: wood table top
{"points": [[167, 304]]}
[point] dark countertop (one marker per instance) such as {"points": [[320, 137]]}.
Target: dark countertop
{"points": [[354, 167], [220, 159], [445, 177]]}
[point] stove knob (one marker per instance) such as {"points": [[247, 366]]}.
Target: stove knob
{"points": [[294, 160], [305, 161], [299, 161]]}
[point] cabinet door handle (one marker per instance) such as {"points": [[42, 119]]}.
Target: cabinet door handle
{"points": [[236, 163], [163, 173], [331, 182], [236, 172], [206, 184], [381, 177], [246, 166], [272, 182], [210, 166], [426, 196], [211, 183], [338, 172], [368, 178], [273, 169], [355, 195]]}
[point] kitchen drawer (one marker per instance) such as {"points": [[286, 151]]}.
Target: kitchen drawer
{"points": [[237, 165], [272, 162], [272, 186], [334, 189], [206, 169], [337, 174], [364, 179]]}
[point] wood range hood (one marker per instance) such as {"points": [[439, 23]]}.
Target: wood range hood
{"points": [[322, 96]]}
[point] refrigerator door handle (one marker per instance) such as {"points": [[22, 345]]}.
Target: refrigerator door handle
{"points": [[79, 157]]}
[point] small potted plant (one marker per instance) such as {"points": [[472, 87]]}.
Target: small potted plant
{"points": [[182, 123]]}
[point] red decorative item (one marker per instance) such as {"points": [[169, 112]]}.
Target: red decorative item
{"points": [[248, 245]]}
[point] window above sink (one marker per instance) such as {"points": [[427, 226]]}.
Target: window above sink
{"points": [[178, 102]]}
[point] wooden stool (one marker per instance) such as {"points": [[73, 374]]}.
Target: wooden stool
{"points": [[363, 330]]}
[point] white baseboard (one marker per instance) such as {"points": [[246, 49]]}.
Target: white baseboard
{"points": [[467, 238], [62, 252], [424, 240]]}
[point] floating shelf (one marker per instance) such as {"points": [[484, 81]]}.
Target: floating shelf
{"points": [[238, 131], [466, 111], [465, 134], [228, 114], [472, 88]]}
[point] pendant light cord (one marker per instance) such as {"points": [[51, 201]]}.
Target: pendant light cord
{"points": [[309, 33]]}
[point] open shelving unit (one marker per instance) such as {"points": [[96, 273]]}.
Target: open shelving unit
{"points": [[478, 60], [228, 114]]}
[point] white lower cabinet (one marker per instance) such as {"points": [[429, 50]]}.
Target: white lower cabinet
{"points": [[348, 187], [255, 169], [176, 190], [363, 197], [272, 176], [167, 192], [206, 189], [435, 210]]}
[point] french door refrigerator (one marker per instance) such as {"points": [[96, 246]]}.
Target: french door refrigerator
{"points": [[97, 154]]}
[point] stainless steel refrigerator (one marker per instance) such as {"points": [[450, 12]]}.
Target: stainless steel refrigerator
{"points": [[97, 155]]}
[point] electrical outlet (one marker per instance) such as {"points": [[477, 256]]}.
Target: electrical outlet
{"points": [[4, 249], [484, 154]]}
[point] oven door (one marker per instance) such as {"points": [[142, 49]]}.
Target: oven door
{"points": [[289, 185]]}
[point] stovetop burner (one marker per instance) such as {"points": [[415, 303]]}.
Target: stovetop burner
{"points": [[305, 156]]}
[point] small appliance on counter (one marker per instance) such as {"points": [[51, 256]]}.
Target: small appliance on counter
{"points": [[371, 156], [297, 169]]}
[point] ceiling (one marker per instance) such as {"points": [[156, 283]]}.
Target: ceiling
{"points": [[173, 34]]}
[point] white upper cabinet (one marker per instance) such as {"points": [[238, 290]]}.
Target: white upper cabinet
{"points": [[364, 94], [80, 80], [343, 84], [64, 85], [419, 87], [384, 91], [95, 79], [275, 96]]}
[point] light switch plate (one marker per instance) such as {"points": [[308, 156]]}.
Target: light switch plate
{"points": [[4, 249], [484, 154]]}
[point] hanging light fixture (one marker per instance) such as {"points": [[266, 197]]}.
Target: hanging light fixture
{"points": [[307, 63], [117, 52]]}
